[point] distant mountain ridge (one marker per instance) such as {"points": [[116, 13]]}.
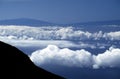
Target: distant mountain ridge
{"points": [[33, 22], [111, 22], [25, 21]]}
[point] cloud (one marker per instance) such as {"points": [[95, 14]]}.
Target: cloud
{"points": [[53, 54], [110, 58], [55, 36], [79, 58], [112, 35], [43, 43], [54, 33]]}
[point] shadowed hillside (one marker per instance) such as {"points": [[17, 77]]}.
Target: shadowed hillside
{"points": [[18, 65]]}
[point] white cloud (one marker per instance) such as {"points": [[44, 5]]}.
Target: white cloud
{"points": [[43, 36], [55, 33], [55, 55], [113, 35], [79, 58], [97, 35], [43, 43], [110, 58]]}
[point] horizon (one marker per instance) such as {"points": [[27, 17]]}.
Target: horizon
{"points": [[57, 23]]}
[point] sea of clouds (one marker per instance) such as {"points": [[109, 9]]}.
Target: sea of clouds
{"points": [[56, 41], [76, 58], [59, 43], [54, 33]]}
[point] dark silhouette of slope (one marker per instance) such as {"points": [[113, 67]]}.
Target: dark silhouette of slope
{"points": [[17, 65]]}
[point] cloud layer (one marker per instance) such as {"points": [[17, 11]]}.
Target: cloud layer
{"points": [[44, 43], [79, 58], [54, 33]]}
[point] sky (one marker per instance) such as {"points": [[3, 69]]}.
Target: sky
{"points": [[61, 11]]}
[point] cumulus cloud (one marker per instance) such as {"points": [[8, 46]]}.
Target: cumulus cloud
{"points": [[79, 58], [110, 58], [53, 54]]}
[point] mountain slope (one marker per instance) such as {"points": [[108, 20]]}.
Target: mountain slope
{"points": [[18, 65]]}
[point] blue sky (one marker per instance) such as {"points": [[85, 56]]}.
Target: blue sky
{"points": [[61, 11]]}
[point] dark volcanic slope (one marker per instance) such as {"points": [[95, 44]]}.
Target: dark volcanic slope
{"points": [[16, 65]]}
